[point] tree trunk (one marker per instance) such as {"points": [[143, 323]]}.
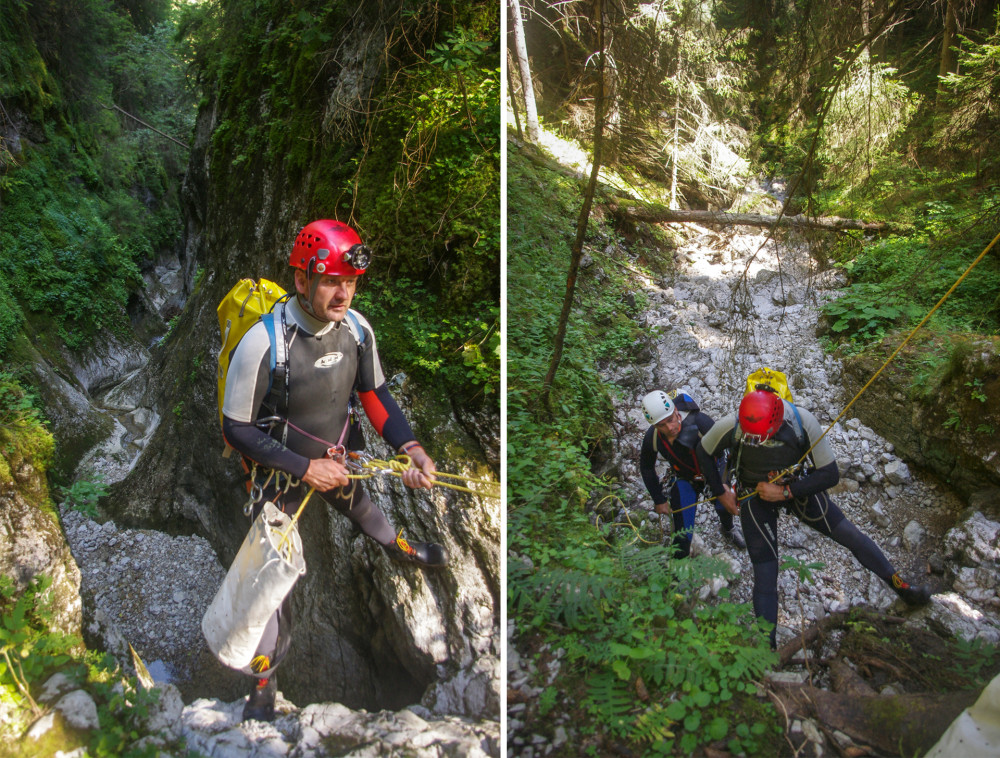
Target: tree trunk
{"points": [[659, 214], [675, 149], [866, 12], [522, 63], [948, 59], [581, 226], [513, 98]]}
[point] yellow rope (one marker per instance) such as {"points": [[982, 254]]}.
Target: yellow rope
{"points": [[897, 350], [402, 463], [285, 535], [628, 523]]}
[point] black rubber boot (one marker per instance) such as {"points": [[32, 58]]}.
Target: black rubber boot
{"points": [[428, 554], [260, 704], [911, 594], [734, 536]]}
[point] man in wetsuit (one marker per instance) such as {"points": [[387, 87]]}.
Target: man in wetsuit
{"points": [[330, 353], [675, 426], [770, 436]]}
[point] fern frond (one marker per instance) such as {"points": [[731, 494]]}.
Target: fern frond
{"points": [[649, 564], [610, 700], [653, 725], [572, 595]]}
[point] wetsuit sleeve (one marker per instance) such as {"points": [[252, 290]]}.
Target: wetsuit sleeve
{"points": [[826, 474], [380, 407], [385, 415], [712, 444], [647, 467], [820, 479], [250, 441]]}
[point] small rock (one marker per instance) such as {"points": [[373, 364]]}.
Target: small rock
{"points": [[913, 535], [79, 710], [897, 472], [56, 685]]}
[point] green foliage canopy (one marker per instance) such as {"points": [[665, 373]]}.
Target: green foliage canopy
{"points": [[87, 199]]}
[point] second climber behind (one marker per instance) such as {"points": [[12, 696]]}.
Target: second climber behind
{"points": [[675, 426]]}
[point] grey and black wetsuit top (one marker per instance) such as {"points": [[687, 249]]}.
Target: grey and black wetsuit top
{"points": [[324, 361], [783, 450]]}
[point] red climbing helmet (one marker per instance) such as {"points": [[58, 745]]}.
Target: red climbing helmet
{"points": [[330, 247], [761, 414]]}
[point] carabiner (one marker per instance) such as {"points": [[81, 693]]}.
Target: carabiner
{"points": [[356, 460]]}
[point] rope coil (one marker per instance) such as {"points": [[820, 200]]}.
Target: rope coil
{"points": [[357, 461]]}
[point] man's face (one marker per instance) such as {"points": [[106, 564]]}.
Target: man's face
{"points": [[670, 426], [332, 297]]}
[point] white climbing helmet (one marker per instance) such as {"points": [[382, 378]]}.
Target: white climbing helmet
{"points": [[657, 406]]}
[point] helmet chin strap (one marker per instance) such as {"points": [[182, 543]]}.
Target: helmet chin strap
{"points": [[312, 282]]}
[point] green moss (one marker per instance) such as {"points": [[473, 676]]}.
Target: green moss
{"points": [[60, 737], [24, 440]]}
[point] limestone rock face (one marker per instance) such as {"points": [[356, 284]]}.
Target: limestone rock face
{"points": [[32, 544], [953, 431], [107, 362]]}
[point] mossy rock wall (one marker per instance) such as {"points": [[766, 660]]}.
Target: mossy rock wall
{"points": [[947, 424], [31, 540]]}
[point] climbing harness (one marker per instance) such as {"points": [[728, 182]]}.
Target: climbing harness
{"points": [[362, 465]]}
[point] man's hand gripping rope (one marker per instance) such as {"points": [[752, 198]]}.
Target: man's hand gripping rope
{"points": [[365, 466]]}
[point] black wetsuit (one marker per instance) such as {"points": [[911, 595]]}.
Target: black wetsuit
{"points": [[810, 502], [688, 482]]}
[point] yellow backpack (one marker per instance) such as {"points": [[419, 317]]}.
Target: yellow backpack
{"points": [[769, 378], [246, 302]]}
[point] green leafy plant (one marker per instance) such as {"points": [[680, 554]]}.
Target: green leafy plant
{"points": [[977, 391], [970, 657], [84, 495], [864, 312], [27, 647], [87, 204], [30, 651]]}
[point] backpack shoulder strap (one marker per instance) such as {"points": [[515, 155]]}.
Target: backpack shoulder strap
{"points": [[355, 326], [279, 355], [277, 385], [800, 432]]}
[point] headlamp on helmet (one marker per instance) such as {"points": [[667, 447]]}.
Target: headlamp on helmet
{"points": [[330, 247]]}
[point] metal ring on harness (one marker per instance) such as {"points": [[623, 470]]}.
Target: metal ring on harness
{"points": [[256, 495]]}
